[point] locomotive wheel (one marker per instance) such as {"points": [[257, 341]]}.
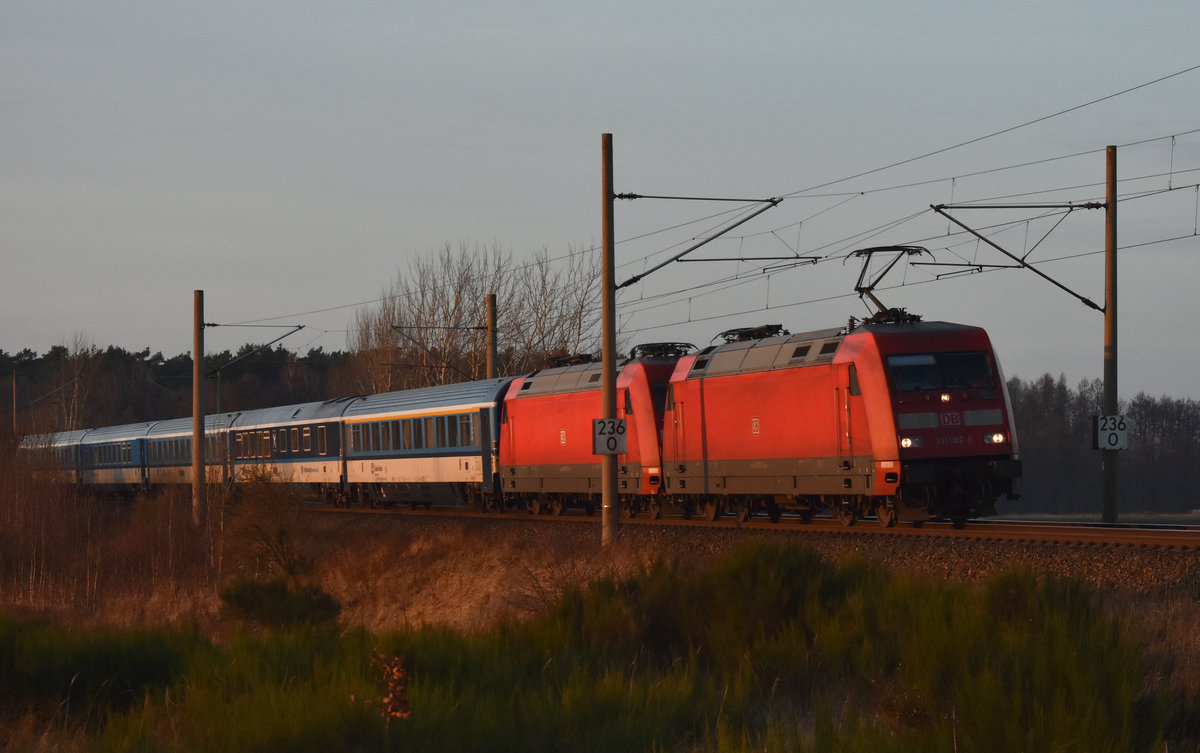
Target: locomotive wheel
{"points": [[742, 511], [556, 507], [773, 511], [712, 509], [655, 510], [886, 515], [845, 515]]}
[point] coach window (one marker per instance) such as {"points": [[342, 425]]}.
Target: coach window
{"points": [[266, 444], [406, 433], [452, 431], [418, 433], [430, 433], [295, 440], [385, 434], [440, 423], [307, 439], [356, 438], [322, 445]]}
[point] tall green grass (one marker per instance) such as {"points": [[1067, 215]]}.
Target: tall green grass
{"points": [[770, 649]]}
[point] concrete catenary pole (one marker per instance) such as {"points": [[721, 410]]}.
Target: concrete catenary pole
{"points": [[491, 336], [608, 386], [199, 480], [1109, 397]]}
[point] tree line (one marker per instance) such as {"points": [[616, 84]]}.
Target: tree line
{"points": [[428, 328], [1159, 472]]}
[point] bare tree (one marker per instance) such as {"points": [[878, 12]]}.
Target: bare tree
{"points": [[78, 369], [553, 309], [429, 327]]}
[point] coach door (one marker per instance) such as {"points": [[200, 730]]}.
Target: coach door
{"points": [[487, 447]]}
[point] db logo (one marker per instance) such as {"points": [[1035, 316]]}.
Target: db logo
{"points": [[951, 419]]}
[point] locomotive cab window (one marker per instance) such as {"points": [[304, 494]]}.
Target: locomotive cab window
{"points": [[927, 371]]}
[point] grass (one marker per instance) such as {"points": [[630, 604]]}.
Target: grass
{"points": [[772, 648]]}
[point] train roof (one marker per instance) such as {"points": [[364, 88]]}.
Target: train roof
{"points": [[581, 377], [53, 439], [782, 351], [914, 328], [465, 395], [123, 433], [182, 427], [302, 413]]}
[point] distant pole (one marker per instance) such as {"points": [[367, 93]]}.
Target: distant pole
{"points": [[14, 391], [1110, 333], [199, 480], [491, 336], [608, 463]]}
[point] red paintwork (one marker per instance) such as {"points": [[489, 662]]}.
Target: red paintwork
{"points": [[546, 438], [806, 427]]}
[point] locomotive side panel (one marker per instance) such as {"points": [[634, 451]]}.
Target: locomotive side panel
{"points": [[787, 431]]}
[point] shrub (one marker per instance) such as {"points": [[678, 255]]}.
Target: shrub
{"points": [[274, 604]]}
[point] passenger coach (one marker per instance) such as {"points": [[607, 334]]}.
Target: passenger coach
{"points": [[432, 445]]}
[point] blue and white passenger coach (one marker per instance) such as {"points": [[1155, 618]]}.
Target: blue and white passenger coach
{"points": [[432, 445], [301, 444]]}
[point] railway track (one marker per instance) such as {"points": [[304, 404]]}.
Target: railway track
{"points": [[1183, 537]]}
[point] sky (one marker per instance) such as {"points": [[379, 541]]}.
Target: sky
{"points": [[290, 159]]}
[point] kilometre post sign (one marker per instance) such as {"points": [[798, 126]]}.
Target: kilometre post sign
{"points": [[1111, 432], [608, 436]]}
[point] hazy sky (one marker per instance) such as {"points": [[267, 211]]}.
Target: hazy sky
{"points": [[290, 157]]}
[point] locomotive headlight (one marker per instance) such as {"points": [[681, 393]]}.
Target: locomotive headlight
{"points": [[909, 443], [945, 397], [996, 438]]}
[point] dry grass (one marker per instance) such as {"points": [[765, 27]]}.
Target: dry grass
{"points": [[84, 560], [392, 572]]}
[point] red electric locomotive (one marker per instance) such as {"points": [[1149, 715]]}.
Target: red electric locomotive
{"points": [[546, 459], [906, 421]]}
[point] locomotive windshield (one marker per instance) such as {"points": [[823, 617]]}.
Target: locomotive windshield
{"points": [[940, 371]]}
